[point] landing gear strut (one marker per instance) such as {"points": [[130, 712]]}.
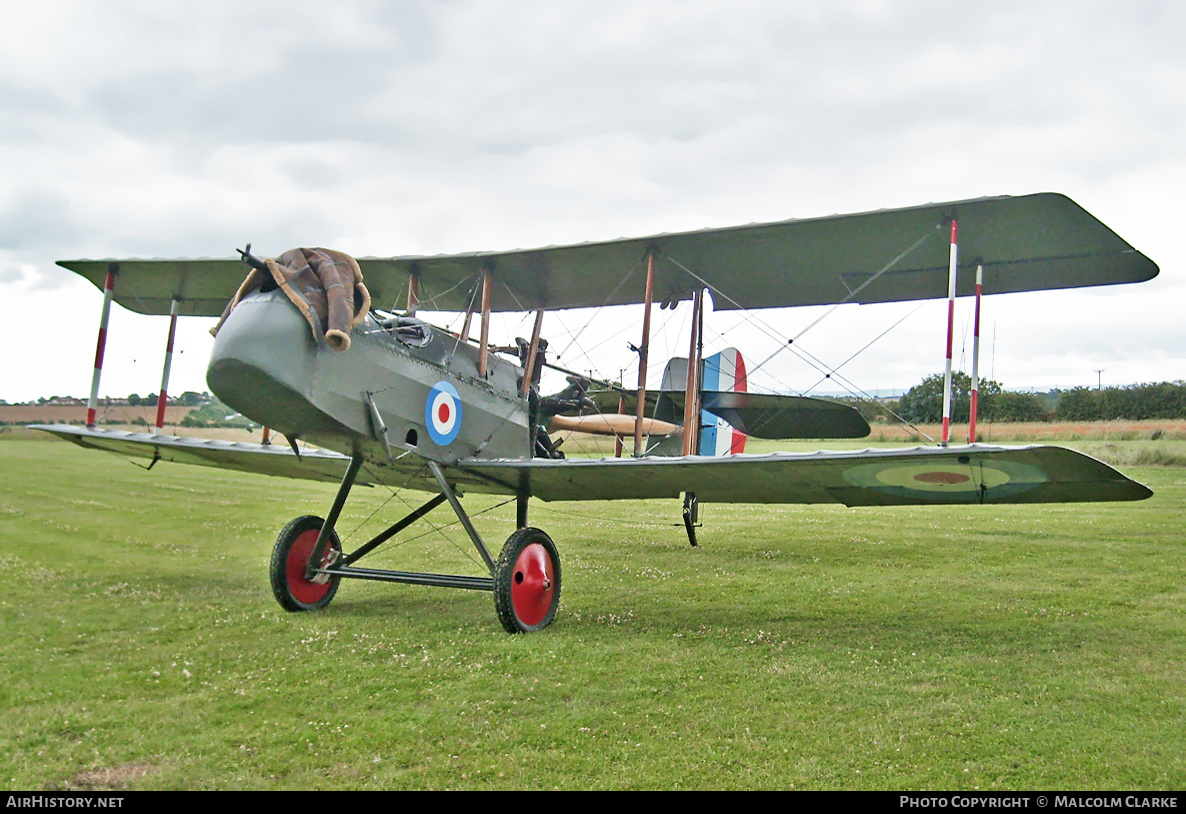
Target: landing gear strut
{"points": [[307, 561]]}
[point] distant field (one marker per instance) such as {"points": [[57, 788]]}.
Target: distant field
{"points": [[1039, 431], [1119, 443], [20, 432], [798, 647], [76, 414]]}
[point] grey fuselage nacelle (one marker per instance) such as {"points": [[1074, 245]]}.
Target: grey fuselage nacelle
{"points": [[423, 383]]}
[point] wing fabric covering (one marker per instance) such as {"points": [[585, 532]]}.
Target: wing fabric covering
{"points": [[1025, 243], [314, 464], [916, 476]]}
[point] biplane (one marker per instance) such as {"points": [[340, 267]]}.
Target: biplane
{"points": [[314, 345]]}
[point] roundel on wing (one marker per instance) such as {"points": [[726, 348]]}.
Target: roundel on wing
{"points": [[946, 481], [442, 413]]}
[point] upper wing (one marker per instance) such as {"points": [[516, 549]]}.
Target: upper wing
{"points": [[922, 475], [1026, 243]]}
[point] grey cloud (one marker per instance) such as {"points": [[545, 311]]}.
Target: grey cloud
{"points": [[313, 173], [50, 277], [294, 105], [824, 87], [36, 218], [26, 115], [817, 83], [296, 226], [13, 98], [317, 92]]}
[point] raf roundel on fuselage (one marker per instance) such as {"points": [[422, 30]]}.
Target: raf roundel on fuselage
{"points": [[442, 414]]}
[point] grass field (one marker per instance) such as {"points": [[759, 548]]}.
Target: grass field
{"points": [[798, 647]]}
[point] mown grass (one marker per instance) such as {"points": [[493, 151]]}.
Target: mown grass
{"points": [[798, 647]]}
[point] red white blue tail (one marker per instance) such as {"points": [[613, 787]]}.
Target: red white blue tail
{"points": [[724, 371]]}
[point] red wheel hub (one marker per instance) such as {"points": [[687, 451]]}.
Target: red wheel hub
{"points": [[302, 589], [532, 584]]}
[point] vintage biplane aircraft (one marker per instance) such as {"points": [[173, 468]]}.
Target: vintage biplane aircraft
{"points": [[386, 397]]}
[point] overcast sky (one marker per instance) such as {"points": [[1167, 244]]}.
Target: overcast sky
{"points": [[142, 129]]}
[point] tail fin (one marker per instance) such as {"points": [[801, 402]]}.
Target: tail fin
{"points": [[667, 408], [729, 413], [724, 371]]}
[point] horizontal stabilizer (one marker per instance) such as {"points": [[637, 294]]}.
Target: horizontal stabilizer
{"points": [[761, 415]]}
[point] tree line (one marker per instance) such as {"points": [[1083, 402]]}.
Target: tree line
{"points": [[923, 403], [187, 399]]}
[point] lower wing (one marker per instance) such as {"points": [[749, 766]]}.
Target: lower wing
{"points": [[884, 477], [918, 476], [312, 464]]}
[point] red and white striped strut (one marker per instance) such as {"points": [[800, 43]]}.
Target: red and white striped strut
{"points": [[975, 358], [93, 401], [163, 399], [951, 275]]}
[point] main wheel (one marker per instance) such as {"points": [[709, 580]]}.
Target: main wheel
{"points": [[293, 590], [527, 582]]}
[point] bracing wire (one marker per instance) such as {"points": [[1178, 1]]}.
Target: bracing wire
{"points": [[870, 344], [432, 298], [457, 343], [629, 273], [804, 355], [844, 301], [434, 528]]}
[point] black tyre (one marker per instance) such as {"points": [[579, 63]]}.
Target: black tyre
{"points": [[527, 582], [291, 554]]}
